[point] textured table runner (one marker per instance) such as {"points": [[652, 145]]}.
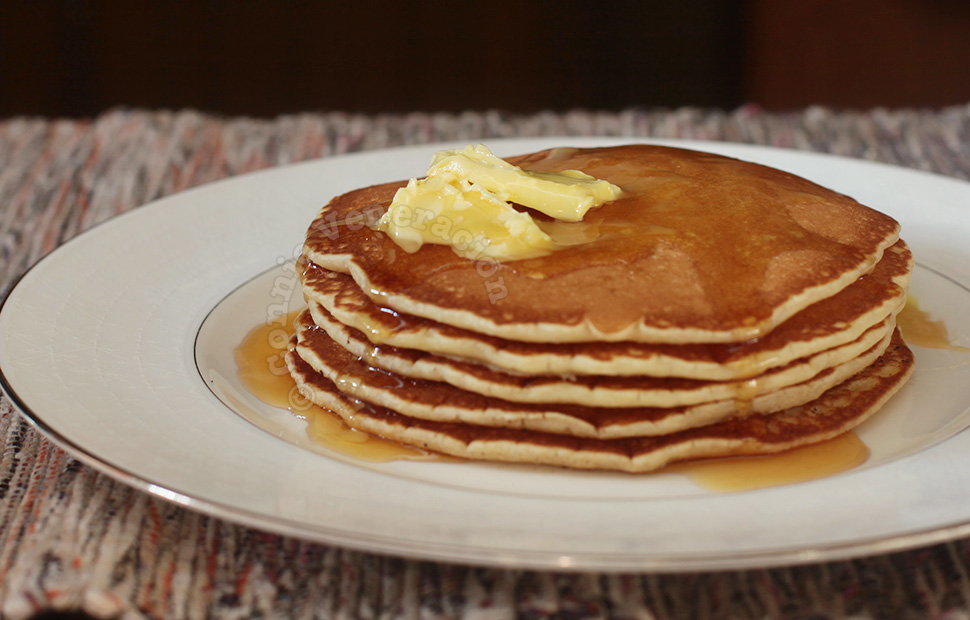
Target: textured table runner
{"points": [[71, 538]]}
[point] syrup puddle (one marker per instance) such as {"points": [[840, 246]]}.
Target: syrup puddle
{"points": [[919, 328], [746, 473], [262, 369]]}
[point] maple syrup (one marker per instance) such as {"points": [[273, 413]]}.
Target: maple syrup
{"points": [[261, 365], [262, 370], [919, 328], [746, 473]]}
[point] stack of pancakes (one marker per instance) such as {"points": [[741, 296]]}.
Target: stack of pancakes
{"points": [[717, 308]]}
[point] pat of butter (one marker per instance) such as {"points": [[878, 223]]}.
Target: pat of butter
{"points": [[465, 202], [446, 210], [566, 196]]}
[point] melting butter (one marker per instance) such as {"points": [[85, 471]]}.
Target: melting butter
{"points": [[466, 202], [445, 210], [565, 196]]}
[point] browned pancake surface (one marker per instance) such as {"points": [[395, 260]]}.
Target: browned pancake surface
{"points": [[720, 248]]}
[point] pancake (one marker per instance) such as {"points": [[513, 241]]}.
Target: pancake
{"points": [[827, 324], [700, 249], [836, 411], [436, 400], [591, 390]]}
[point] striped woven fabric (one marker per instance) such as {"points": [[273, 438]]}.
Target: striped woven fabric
{"points": [[71, 538]]}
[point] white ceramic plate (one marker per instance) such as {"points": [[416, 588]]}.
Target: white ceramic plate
{"points": [[108, 344]]}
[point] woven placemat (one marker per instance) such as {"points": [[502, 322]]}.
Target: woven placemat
{"points": [[71, 538]]}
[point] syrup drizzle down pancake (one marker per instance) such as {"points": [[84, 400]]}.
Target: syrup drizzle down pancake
{"points": [[717, 307]]}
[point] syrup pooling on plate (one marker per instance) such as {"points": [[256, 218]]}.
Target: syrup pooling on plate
{"points": [[261, 365], [921, 329], [745, 473], [259, 358], [330, 431]]}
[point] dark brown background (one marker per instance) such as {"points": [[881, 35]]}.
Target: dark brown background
{"points": [[263, 57]]}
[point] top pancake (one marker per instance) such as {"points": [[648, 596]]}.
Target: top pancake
{"points": [[700, 248]]}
